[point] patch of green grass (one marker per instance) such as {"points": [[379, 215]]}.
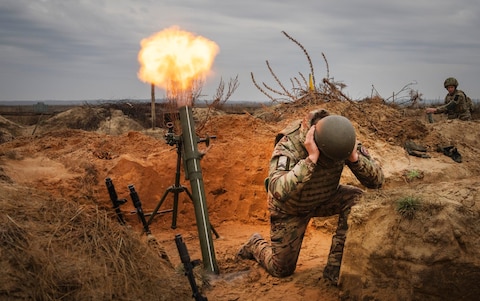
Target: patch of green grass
{"points": [[413, 174], [407, 206]]}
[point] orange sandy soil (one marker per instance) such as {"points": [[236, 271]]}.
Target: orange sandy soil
{"points": [[72, 165]]}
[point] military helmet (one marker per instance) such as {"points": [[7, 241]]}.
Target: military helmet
{"points": [[335, 137], [451, 81]]}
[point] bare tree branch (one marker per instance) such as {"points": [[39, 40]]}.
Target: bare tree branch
{"points": [[276, 91], [404, 90], [334, 89], [219, 99], [232, 86], [326, 64], [286, 93], [306, 53], [260, 89], [304, 90], [304, 79]]}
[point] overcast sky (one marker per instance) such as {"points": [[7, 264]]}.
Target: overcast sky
{"points": [[87, 49]]}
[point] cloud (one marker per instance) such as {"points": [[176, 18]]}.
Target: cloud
{"points": [[65, 49]]}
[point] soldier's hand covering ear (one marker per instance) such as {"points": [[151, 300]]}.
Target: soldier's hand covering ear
{"points": [[311, 146]]}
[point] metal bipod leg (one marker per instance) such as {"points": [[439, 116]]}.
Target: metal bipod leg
{"points": [[176, 189]]}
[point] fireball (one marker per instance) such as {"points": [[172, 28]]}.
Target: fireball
{"points": [[174, 59]]}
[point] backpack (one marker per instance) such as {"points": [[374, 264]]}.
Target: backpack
{"points": [[469, 102]]}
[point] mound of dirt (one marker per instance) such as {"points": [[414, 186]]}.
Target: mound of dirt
{"points": [[415, 244], [9, 130], [388, 256], [84, 117], [55, 249], [117, 123]]}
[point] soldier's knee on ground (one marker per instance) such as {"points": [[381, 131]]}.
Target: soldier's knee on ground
{"points": [[282, 272]]}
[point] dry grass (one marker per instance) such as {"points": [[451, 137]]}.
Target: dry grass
{"points": [[57, 250], [407, 206]]}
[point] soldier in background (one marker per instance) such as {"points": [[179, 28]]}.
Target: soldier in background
{"points": [[456, 104], [304, 175]]}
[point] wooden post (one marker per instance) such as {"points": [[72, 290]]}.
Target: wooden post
{"points": [[153, 107]]}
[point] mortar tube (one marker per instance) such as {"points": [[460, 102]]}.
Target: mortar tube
{"points": [[194, 173]]}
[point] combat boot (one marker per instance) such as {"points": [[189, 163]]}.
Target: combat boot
{"points": [[245, 251]]}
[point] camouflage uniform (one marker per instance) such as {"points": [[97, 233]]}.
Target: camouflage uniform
{"points": [[456, 106], [299, 190]]}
